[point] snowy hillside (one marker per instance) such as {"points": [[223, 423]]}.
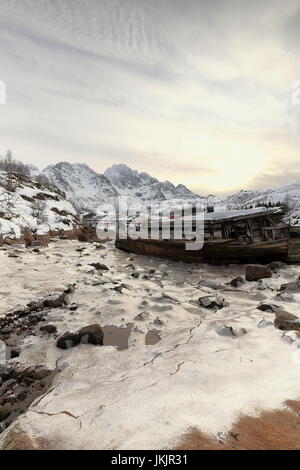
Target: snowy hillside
{"points": [[28, 205], [289, 195]]}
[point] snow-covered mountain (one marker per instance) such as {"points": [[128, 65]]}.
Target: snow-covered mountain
{"points": [[143, 186], [82, 185], [88, 189]]}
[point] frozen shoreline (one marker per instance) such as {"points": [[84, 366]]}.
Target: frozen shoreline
{"points": [[146, 397]]}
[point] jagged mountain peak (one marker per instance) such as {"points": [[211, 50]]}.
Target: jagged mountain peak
{"points": [[83, 186]]}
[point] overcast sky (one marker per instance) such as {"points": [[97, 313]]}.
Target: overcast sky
{"points": [[192, 91]]}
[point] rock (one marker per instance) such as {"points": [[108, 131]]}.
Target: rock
{"points": [[277, 265], [283, 315], [92, 334], [130, 266], [254, 272], [67, 340], [73, 306], [5, 411], [291, 286], [98, 246], [142, 316], [231, 332], [99, 266], [69, 288], [286, 321], [210, 284], [15, 352], [268, 307], [237, 281], [5, 372], [135, 275], [36, 305], [284, 297], [158, 321], [56, 300], [263, 323], [35, 243], [82, 238], [209, 302], [48, 328], [13, 255], [41, 373]]}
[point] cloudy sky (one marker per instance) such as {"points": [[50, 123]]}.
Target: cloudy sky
{"points": [[192, 91]]}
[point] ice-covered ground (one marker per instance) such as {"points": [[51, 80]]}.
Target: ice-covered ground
{"points": [[147, 396]]}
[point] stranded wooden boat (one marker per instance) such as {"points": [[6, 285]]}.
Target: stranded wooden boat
{"points": [[237, 236]]}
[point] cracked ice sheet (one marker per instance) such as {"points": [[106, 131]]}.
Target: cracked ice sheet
{"points": [[147, 396]]}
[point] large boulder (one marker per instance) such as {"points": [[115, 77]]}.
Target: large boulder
{"points": [[254, 272], [92, 334]]}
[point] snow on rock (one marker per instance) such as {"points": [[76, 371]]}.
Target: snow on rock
{"points": [[28, 205]]}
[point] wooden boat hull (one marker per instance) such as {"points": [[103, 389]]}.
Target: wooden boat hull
{"points": [[213, 252]]}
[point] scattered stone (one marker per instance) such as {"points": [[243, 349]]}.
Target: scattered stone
{"points": [[56, 300], [272, 308], [158, 321], [286, 321], [135, 275], [254, 272], [49, 328], [277, 265], [214, 303], [142, 316], [291, 286], [92, 334], [152, 337], [98, 246], [41, 373], [99, 266], [237, 281], [263, 323], [231, 332], [73, 306], [284, 297], [13, 255], [210, 284], [5, 411], [15, 352], [287, 339], [82, 238]]}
